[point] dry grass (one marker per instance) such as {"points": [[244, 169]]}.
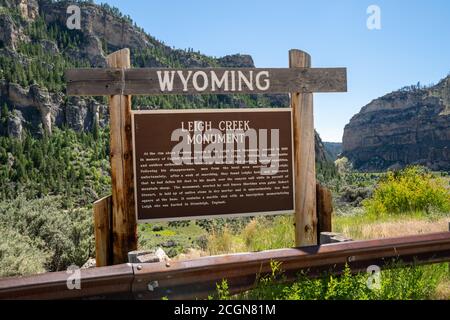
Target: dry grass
{"points": [[394, 228], [443, 290], [190, 254], [223, 242]]}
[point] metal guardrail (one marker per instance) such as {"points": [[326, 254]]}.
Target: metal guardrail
{"points": [[197, 278]]}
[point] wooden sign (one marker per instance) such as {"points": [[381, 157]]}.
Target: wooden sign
{"points": [[210, 163], [150, 81], [115, 219]]}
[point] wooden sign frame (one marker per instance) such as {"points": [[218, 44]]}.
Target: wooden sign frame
{"points": [[200, 111], [115, 220]]}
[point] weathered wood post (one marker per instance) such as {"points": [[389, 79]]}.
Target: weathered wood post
{"points": [[121, 154], [304, 158], [324, 203], [103, 235]]}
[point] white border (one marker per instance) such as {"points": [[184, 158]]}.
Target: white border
{"points": [[231, 215]]}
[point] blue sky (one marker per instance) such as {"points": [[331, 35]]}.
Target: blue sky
{"points": [[413, 44]]}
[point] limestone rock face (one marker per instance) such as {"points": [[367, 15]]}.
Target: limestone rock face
{"points": [[84, 114], [45, 105], [96, 24], [237, 61], [28, 9], [36, 106], [14, 126], [41, 110], [404, 127], [321, 153], [10, 32]]}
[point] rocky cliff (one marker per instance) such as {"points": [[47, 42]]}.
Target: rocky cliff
{"points": [[334, 149], [409, 126]]}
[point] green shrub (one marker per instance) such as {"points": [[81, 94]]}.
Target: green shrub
{"points": [[410, 282], [397, 282], [413, 189], [220, 242], [355, 195], [275, 233], [233, 224], [20, 255], [67, 235]]}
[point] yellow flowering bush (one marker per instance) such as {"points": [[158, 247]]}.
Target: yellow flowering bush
{"points": [[413, 189]]}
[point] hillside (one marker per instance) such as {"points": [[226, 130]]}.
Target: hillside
{"points": [[334, 149], [36, 47], [408, 126], [54, 149]]}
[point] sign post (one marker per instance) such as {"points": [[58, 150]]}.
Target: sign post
{"points": [[115, 217], [124, 238], [305, 158]]}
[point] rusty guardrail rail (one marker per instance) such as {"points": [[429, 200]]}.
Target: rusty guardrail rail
{"points": [[197, 278]]}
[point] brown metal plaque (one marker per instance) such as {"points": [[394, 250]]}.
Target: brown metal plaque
{"points": [[212, 163]]}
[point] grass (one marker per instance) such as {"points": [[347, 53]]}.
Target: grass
{"points": [[442, 291], [398, 282], [364, 226], [406, 283], [173, 239], [278, 232]]}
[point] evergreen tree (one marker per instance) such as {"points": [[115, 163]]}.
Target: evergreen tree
{"points": [[4, 115]]}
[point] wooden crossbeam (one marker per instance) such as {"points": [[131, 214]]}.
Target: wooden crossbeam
{"points": [[150, 81]]}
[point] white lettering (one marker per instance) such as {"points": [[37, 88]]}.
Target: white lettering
{"points": [[195, 81], [215, 82], [248, 82], [266, 81], [184, 80], [166, 82]]}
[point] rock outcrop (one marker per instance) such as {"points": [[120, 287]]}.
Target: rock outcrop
{"points": [[409, 126], [14, 124], [321, 153], [39, 110], [28, 9], [236, 61]]}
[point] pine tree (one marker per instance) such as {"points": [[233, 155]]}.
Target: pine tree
{"points": [[4, 114]]}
